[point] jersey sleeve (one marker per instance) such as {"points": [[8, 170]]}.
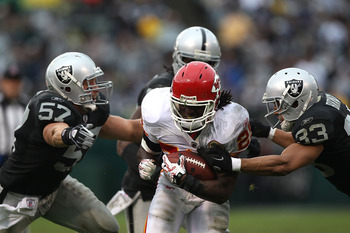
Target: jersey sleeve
{"points": [[152, 110], [241, 134], [230, 128], [50, 108]]}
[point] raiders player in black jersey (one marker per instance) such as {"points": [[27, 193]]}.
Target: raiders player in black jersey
{"points": [[58, 127], [193, 43], [315, 130]]}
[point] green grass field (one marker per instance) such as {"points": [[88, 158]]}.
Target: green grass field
{"points": [[261, 219]]}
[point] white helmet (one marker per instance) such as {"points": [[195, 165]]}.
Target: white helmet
{"points": [[289, 92], [67, 72], [196, 44]]}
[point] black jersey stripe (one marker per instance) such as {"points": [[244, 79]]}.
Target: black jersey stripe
{"points": [[204, 40]]}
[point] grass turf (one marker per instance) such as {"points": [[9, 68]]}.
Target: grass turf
{"points": [[262, 219]]}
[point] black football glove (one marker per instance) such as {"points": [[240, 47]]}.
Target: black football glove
{"points": [[254, 148], [79, 135], [259, 129], [217, 157]]}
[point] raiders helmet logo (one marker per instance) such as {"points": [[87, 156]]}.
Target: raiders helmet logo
{"points": [[296, 87], [61, 74]]}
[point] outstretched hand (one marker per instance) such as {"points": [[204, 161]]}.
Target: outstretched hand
{"points": [[79, 135], [254, 147], [217, 157], [259, 129]]}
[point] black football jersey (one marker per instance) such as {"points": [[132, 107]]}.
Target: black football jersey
{"points": [[35, 167], [160, 80], [327, 122]]}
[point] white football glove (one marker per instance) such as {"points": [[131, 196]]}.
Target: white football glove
{"points": [[79, 135], [174, 171], [147, 168]]}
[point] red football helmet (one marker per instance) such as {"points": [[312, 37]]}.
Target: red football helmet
{"points": [[195, 86]]}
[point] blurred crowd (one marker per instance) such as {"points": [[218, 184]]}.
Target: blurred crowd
{"points": [[131, 40]]}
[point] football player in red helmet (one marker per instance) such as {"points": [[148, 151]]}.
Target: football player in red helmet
{"points": [[194, 43], [190, 115]]}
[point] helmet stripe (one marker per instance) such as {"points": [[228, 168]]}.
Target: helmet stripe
{"points": [[204, 40]]}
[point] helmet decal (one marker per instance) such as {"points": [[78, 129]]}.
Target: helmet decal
{"points": [[296, 87], [204, 39], [216, 85], [61, 74]]}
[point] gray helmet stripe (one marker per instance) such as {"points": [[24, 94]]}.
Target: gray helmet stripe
{"points": [[204, 40]]}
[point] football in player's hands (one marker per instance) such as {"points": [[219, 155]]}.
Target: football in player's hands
{"points": [[217, 157], [194, 165]]}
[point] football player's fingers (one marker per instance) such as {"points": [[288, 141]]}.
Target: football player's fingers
{"points": [[89, 126], [85, 131], [166, 160], [164, 165], [182, 160]]}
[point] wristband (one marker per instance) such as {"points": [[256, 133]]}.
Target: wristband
{"points": [[271, 133], [65, 136], [236, 164]]}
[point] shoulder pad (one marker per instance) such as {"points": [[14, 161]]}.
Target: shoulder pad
{"points": [[155, 103]]}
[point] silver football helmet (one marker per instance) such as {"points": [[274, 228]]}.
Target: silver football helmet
{"points": [[289, 93], [196, 44], [66, 74]]}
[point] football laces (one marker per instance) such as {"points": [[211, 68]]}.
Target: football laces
{"points": [[196, 162]]}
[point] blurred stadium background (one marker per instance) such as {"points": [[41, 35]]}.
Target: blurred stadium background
{"points": [[131, 40]]}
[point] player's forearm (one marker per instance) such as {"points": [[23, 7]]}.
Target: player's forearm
{"points": [[218, 190], [283, 138], [52, 134], [269, 165], [118, 128]]}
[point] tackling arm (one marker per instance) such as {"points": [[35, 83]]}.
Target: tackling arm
{"points": [[119, 128], [278, 136], [292, 158], [283, 138], [52, 134], [121, 145]]}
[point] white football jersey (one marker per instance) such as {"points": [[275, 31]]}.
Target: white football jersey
{"points": [[229, 128]]}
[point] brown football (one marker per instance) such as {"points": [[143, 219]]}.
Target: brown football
{"points": [[194, 165]]}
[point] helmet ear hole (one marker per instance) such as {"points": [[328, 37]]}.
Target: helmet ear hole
{"points": [[67, 89]]}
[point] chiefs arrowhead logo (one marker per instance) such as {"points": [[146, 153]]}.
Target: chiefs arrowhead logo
{"points": [[216, 84]]}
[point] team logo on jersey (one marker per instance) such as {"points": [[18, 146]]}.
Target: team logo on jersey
{"points": [[306, 121], [30, 202], [61, 74], [296, 86]]}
